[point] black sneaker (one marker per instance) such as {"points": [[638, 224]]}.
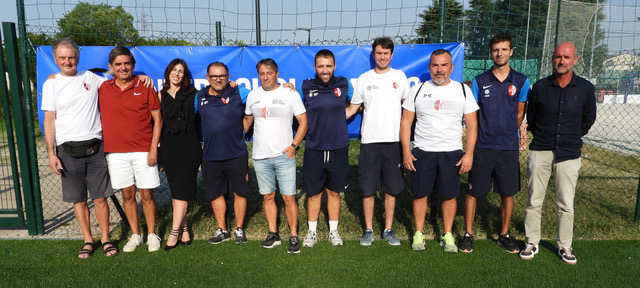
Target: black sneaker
{"points": [[219, 237], [505, 241], [239, 235], [273, 240], [466, 243], [294, 246]]}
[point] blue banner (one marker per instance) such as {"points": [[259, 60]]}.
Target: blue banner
{"points": [[295, 63]]}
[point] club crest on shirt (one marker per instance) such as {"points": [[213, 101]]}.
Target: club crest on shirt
{"points": [[337, 91], [266, 112], [512, 90], [395, 85], [225, 100], [438, 105], [87, 86], [486, 93]]}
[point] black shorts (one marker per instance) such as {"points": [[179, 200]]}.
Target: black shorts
{"points": [[380, 165], [82, 173], [503, 166], [326, 169], [436, 170], [233, 171]]}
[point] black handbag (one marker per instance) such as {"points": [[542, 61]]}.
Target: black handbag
{"points": [[82, 149]]}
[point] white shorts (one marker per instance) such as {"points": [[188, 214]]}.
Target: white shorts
{"points": [[131, 168]]}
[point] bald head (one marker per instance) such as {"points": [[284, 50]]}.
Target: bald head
{"points": [[564, 58]]}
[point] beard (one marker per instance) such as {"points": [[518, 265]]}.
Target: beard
{"points": [[440, 82]]}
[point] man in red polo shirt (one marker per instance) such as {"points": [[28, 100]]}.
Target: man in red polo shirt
{"points": [[131, 123]]}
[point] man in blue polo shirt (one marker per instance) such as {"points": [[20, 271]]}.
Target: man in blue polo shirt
{"points": [[501, 94], [224, 155], [326, 155]]}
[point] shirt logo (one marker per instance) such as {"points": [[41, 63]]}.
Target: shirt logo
{"points": [[426, 95], [395, 85], [337, 91], [312, 93], [266, 112], [438, 105], [512, 90], [87, 86], [136, 94], [485, 87], [371, 87], [225, 100], [486, 93], [277, 101]]}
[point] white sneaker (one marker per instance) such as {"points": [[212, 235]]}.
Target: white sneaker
{"points": [[311, 239], [334, 238], [133, 243], [153, 241]]}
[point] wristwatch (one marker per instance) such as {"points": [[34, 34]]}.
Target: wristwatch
{"points": [[295, 146]]}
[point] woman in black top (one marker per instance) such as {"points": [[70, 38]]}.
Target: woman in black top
{"points": [[181, 150]]}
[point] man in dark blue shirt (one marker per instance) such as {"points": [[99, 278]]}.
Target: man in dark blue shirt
{"points": [[224, 155], [562, 109], [502, 95], [326, 157]]}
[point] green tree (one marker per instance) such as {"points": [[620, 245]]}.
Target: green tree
{"points": [[99, 25], [429, 30], [483, 13]]}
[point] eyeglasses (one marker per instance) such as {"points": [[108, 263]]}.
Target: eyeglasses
{"points": [[213, 77]]}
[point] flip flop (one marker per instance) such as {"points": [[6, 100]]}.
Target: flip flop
{"points": [[109, 249], [86, 251]]}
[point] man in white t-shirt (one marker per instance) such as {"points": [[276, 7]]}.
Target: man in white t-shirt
{"points": [[381, 90], [272, 108], [437, 159], [73, 135]]}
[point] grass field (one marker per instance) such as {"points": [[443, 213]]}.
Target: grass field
{"points": [[42, 263], [604, 206]]}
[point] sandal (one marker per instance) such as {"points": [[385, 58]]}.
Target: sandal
{"points": [[176, 233], [185, 229], [108, 247], [86, 251]]}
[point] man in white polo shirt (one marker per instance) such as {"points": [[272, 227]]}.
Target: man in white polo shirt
{"points": [[381, 90], [272, 108], [437, 159]]}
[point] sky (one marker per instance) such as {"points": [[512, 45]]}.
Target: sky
{"points": [[342, 21]]}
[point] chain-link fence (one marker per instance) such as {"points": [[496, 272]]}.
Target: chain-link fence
{"points": [[605, 34]]}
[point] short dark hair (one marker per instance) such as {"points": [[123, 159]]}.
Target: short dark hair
{"points": [[269, 63], [500, 37], [440, 52], [65, 41], [218, 64], [384, 42], [186, 79], [121, 50], [325, 53]]}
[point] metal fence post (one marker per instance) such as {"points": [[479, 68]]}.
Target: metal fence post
{"points": [[637, 218], [26, 148], [28, 107]]}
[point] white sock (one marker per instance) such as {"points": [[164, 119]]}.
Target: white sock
{"points": [[333, 225], [313, 225]]}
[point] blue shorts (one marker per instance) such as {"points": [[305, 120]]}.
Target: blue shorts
{"points": [[280, 168], [380, 165], [217, 174], [326, 169], [503, 166], [436, 170]]}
